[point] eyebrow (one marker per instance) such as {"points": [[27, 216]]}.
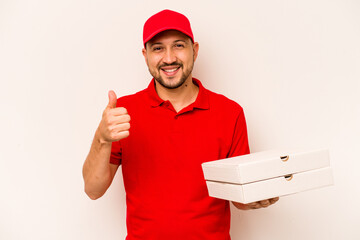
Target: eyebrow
{"points": [[181, 41]]}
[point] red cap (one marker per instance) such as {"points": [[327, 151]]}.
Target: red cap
{"points": [[166, 20]]}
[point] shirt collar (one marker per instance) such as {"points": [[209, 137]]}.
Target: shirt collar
{"points": [[201, 102]]}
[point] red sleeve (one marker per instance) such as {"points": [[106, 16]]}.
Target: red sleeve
{"points": [[116, 153], [240, 144]]}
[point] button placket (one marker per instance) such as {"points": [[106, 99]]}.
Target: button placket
{"points": [[177, 124]]}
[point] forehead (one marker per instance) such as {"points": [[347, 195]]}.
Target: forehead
{"points": [[169, 35]]}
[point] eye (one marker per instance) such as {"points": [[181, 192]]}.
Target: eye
{"points": [[179, 45], [156, 49]]}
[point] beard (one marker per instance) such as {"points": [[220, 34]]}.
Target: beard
{"points": [[184, 76]]}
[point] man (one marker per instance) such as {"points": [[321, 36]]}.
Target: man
{"points": [[176, 124]]}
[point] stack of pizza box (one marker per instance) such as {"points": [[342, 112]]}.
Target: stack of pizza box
{"points": [[264, 175]]}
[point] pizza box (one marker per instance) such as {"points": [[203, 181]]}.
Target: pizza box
{"points": [[263, 175]]}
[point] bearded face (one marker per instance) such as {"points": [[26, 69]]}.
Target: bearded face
{"points": [[170, 57]]}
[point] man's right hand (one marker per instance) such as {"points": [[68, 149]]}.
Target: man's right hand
{"points": [[115, 122]]}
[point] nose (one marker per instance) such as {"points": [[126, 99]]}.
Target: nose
{"points": [[169, 56]]}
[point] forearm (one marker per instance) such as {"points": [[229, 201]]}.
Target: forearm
{"points": [[96, 170]]}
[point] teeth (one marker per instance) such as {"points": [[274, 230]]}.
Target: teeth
{"points": [[170, 70]]}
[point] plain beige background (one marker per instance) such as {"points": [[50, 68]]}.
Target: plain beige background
{"points": [[293, 65]]}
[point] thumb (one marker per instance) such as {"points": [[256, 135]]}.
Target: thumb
{"points": [[112, 99]]}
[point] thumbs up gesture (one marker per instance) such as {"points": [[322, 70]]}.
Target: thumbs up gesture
{"points": [[115, 122]]}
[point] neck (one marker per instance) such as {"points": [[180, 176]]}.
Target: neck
{"points": [[180, 97]]}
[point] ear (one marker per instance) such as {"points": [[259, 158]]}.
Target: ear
{"points": [[196, 50], [145, 56]]}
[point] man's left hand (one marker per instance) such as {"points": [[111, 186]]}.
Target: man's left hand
{"points": [[256, 205]]}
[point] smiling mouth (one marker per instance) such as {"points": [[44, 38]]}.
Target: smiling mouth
{"points": [[169, 71]]}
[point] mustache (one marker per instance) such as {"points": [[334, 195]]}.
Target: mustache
{"points": [[177, 64]]}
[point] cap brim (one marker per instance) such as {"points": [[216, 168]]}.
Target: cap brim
{"points": [[165, 29]]}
